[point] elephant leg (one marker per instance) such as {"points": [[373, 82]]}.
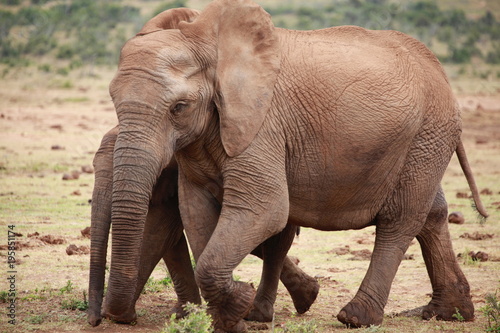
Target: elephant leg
{"points": [[451, 292], [302, 288], [238, 232], [398, 222], [181, 271], [367, 306], [273, 252]]}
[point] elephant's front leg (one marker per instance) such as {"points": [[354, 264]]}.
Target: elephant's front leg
{"points": [[247, 219]]}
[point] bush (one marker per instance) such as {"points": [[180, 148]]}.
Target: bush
{"points": [[197, 321], [169, 5], [10, 2]]}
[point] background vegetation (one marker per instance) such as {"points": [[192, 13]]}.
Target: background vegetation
{"points": [[61, 35]]}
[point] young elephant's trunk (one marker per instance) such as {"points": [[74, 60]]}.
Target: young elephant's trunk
{"points": [[137, 165], [100, 224]]}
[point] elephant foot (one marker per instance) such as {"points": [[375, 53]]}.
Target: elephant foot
{"points": [[304, 297], [94, 318], [449, 311], [228, 314], [122, 318], [359, 314], [261, 311], [178, 310]]}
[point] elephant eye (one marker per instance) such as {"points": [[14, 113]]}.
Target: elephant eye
{"points": [[178, 108]]}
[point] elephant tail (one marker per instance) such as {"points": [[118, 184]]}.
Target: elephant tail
{"points": [[464, 163]]}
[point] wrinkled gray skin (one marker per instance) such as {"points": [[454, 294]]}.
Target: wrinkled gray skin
{"points": [[334, 129], [163, 238]]}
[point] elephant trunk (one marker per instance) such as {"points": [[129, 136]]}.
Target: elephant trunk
{"points": [[137, 165], [100, 225]]}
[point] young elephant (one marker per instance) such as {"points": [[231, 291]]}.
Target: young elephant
{"points": [[163, 237]]}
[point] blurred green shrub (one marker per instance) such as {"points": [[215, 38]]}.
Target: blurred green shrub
{"points": [[91, 32]]}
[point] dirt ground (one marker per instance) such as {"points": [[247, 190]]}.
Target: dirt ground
{"points": [[51, 127]]}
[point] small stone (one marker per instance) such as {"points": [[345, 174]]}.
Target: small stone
{"points": [[86, 232], [87, 169], [456, 218]]}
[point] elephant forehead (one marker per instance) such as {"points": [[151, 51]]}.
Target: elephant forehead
{"points": [[162, 52], [158, 46]]}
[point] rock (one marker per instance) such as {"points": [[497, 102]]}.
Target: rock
{"points": [[86, 232], [456, 218], [75, 174], [340, 250], [480, 256], [476, 236], [73, 249], [52, 240], [87, 169], [476, 256], [486, 191]]}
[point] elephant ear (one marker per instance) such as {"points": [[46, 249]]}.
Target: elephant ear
{"points": [[168, 19], [241, 39]]}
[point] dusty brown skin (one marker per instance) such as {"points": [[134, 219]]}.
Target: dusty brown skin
{"points": [[163, 238], [333, 129]]}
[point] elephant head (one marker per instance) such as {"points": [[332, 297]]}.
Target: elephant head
{"points": [[177, 81]]}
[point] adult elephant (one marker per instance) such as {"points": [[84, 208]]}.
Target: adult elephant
{"points": [[333, 129], [163, 238]]}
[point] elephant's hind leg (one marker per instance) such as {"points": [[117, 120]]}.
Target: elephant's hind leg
{"points": [[273, 252], [302, 288], [451, 291], [367, 307], [398, 222]]}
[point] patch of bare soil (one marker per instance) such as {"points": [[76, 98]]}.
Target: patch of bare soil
{"points": [[35, 240], [476, 236]]}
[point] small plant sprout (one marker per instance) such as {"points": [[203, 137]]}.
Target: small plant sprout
{"points": [[458, 316]]}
